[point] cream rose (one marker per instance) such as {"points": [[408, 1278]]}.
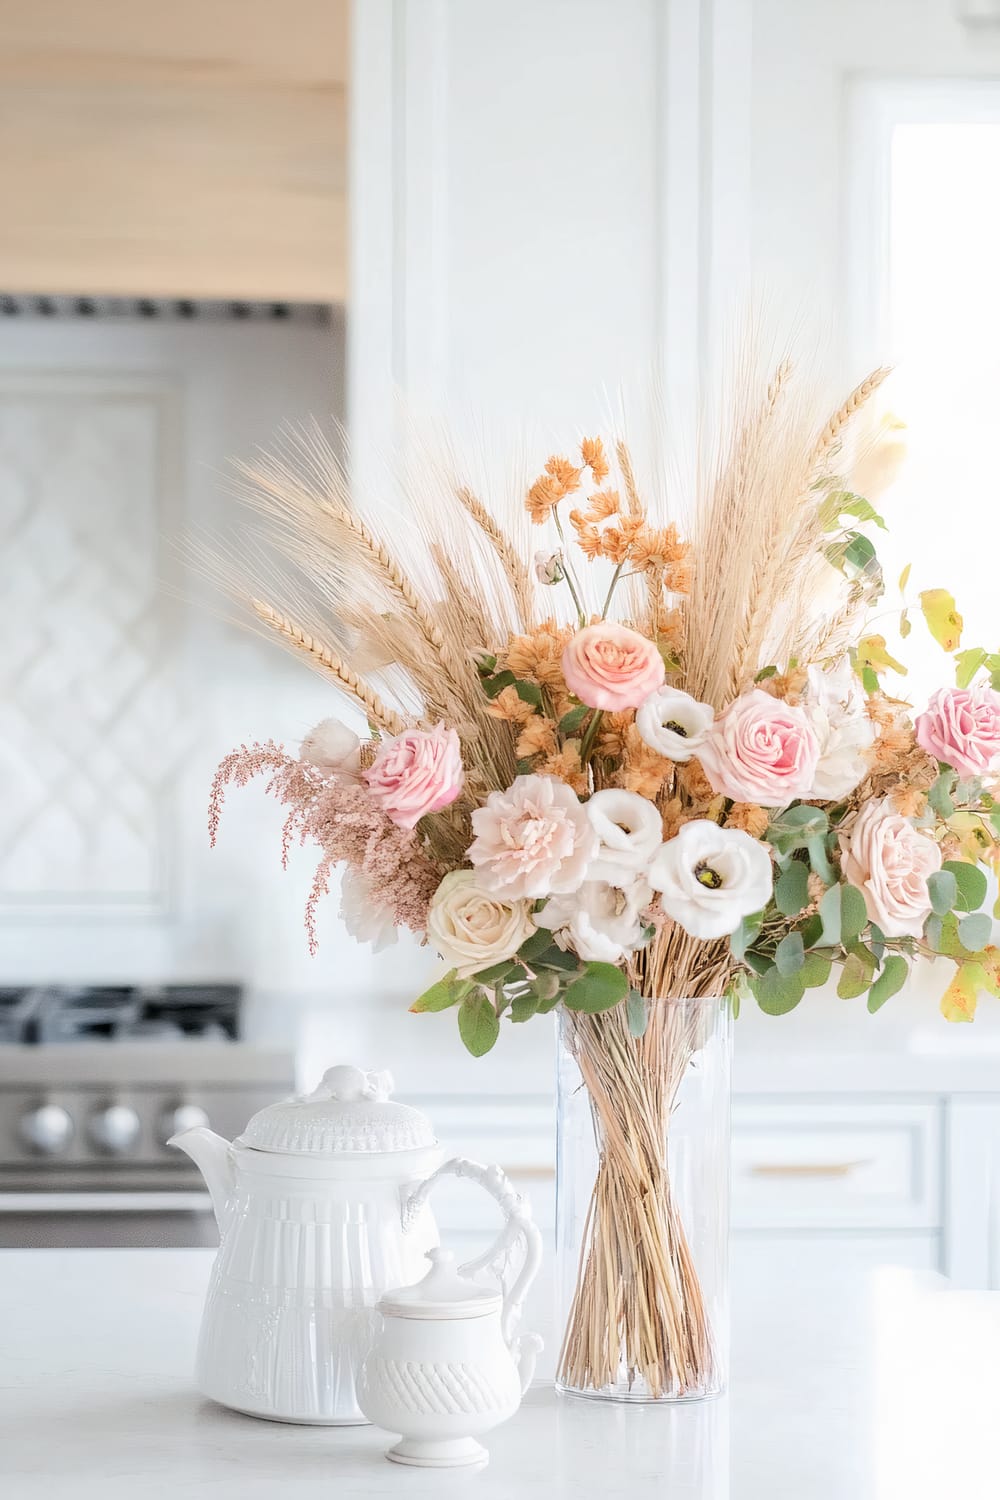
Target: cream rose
{"points": [[890, 862], [533, 840], [673, 723], [761, 750], [710, 878], [472, 929]]}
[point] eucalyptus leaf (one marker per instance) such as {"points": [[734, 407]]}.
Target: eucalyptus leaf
{"points": [[478, 1023], [829, 912], [791, 891], [975, 930], [818, 858], [815, 970], [942, 887], [775, 994], [940, 794], [637, 1013], [789, 956], [599, 987], [853, 914], [856, 975], [971, 884], [889, 982]]}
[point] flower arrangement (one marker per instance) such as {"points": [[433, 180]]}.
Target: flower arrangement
{"points": [[642, 764]]}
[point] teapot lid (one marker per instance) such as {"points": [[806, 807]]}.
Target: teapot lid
{"points": [[443, 1293], [349, 1111]]}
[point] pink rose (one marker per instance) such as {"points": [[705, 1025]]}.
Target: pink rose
{"points": [[961, 726], [890, 861], [761, 750], [533, 840], [610, 666], [415, 773]]}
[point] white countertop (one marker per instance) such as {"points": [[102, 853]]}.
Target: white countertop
{"points": [[885, 1389]]}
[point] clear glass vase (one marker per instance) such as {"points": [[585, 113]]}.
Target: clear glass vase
{"points": [[642, 1202]]}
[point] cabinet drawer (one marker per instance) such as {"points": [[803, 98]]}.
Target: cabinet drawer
{"points": [[854, 1164]]}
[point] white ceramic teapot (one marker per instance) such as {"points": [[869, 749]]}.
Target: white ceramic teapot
{"points": [[309, 1201], [447, 1364]]}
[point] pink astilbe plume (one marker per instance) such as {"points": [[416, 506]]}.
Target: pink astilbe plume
{"points": [[347, 824]]}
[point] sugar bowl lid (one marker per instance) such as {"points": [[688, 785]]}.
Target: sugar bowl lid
{"points": [[348, 1112], [443, 1293]]}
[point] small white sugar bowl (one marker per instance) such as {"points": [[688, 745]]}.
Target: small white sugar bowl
{"points": [[445, 1365]]}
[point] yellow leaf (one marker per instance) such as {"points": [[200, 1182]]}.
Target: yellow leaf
{"points": [[904, 578], [989, 964], [943, 620], [872, 653], [958, 1003]]}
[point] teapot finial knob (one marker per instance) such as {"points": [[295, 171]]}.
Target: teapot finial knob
{"points": [[439, 1256], [345, 1083]]}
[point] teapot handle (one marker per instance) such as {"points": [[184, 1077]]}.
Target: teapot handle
{"points": [[519, 1227]]}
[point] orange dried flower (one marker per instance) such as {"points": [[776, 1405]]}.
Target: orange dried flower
{"points": [[592, 453], [565, 475], [748, 817], [695, 783], [603, 504], [786, 685], [657, 547], [588, 538], [543, 495], [610, 741], [673, 817], [509, 706], [643, 770], [538, 737], [538, 655], [565, 765], [908, 800]]}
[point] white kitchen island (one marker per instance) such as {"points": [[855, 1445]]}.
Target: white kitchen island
{"points": [[884, 1388]]}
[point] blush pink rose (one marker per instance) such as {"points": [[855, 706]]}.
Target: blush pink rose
{"points": [[609, 666], [533, 840], [890, 862], [961, 726], [761, 750], [415, 773]]}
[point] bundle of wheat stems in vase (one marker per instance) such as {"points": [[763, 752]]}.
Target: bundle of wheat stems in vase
{"points": [[618, 743]]}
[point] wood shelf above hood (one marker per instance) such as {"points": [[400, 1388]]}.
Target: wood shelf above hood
{"points": [[197, 150]]}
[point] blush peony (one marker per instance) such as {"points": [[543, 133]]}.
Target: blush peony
{"points": [[416, 772], [533, 840], [609, 666], [890, 861], [472, 929], [961, 726], [710, 878], [761, 750]]}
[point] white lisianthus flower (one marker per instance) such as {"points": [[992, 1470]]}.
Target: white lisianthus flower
{"points": [[600, 922], [630, 830], [333, 749], [710, 878], [364, 916], [673, 723], [836, 707], [472, 929]]}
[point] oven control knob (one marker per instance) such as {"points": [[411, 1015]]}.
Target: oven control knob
{"points": [[48, 1129], [181, 1117], [115, 1128]]}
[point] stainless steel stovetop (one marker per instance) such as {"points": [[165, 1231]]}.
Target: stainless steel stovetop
{"points": [[94, 1080]]}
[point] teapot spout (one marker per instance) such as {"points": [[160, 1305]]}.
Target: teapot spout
{"points": [[213, 1156]]}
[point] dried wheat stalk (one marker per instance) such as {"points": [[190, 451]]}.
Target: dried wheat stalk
{"points": [[323, 660]]}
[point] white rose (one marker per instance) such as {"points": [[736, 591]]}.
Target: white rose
{"points": [[630, 830], [710, 878], [673, 723], [836, 708], [600, 922], [364, 916], [472, 929], [333, 749], [549, 567]]}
